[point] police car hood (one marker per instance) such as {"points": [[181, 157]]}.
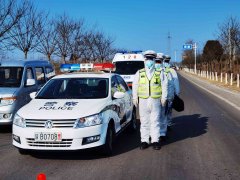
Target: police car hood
{"points": [[61, 109]]}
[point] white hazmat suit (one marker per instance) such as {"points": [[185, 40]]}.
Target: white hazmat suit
{"points": [[173, 88], [150, 108]]}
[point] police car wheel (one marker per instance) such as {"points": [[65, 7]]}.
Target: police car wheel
{"points": [[22, 151], [133, 123], [107, 148]]}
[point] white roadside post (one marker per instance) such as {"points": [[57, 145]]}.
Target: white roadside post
{"points": [[231, 80], [226, 78], [237, 80]]}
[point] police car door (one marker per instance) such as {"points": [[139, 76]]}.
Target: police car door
{"points": [[127, 98], [120, 107]]}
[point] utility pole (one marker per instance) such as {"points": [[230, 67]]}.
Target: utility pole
{"points": [[230, 47], [169, 44], [195, 57], [175, 54]]}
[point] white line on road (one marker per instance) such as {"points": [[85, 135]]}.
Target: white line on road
{"points": [[232, 104]]}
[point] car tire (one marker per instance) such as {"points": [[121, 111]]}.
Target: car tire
{"points": [[108, 146], [23, 151], [133, 124]]}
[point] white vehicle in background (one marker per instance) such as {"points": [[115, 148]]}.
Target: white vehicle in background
{"points": [[127, 64], [75, 111]]}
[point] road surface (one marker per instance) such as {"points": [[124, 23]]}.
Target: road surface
{"points": [[204, 144]]}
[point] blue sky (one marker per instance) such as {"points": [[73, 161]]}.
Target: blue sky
{"points": [[144, 24]]}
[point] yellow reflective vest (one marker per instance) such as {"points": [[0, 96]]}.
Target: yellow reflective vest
{"points": [[149, 88]]}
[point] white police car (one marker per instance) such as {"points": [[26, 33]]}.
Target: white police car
{"points": [[75, 111]]}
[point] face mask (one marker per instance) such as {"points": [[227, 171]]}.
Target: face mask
{"points": [[166, 65], [149, 63], [158, 66]]}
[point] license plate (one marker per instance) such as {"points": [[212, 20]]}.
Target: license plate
{"points": [[126, 77], [48, 137]]}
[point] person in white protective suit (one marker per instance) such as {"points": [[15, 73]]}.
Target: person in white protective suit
{"points": [[173, 88], [163, 120], [159, 61], [149, 91]]}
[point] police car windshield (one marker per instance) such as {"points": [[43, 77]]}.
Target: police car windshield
{"points": [[10, 76], [75, 88], [128, 67]]}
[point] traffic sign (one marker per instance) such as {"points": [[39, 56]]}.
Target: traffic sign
{"points": [[187, 46]]}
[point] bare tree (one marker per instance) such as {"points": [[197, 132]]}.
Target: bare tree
{"points": [[229, 36], [89, 51], [67, 33], [10, 14], [103, 46], [76, 41], [24, 35], [48, 40]]}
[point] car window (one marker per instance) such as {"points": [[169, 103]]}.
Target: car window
{"points": [[10, 76], [128, 67], [49, 72], [40, 75], [29, 74], [122, 84], [75, 88], [114, 85]]}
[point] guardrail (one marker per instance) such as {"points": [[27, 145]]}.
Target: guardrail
{"points": [[226, 78]]}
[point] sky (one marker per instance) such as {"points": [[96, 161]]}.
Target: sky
{"points": [[146, 24]]}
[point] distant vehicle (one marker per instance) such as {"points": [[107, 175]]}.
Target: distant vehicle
{"points": [[75, 111], [127, 64], [18, 78]]}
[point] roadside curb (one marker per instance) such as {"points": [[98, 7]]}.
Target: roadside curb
{"points": [[214, 83]]}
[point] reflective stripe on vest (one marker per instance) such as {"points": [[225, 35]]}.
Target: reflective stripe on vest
{"points": [[150, 88], [168, 73]]}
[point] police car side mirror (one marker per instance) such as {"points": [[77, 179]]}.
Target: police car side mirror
{"points": [[118, 95], [33, 95], [30, 82]]}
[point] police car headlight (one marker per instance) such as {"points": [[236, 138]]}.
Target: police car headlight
{"points": [[19, 121], [7, 100], [88, 121]]}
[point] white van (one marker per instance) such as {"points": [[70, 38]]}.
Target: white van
{"points": [[127, 64], [18, 78]]}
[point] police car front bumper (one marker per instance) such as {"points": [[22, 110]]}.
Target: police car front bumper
{"points": [[72, 139]]}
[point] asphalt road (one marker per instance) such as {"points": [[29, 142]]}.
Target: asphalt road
{"points": [[203, 144]]}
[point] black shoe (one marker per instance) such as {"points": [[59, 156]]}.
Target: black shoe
{"points": [[169, 128], [156, 145], [143, 145], [163, 138]]}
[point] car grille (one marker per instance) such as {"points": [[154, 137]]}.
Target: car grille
{"points": [[63, 143], [57, 123]]}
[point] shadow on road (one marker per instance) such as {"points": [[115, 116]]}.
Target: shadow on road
{"points": [[5, 129], [187, 126]]}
